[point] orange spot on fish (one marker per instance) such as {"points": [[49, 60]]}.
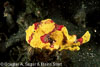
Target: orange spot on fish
{"points": [[80, 40], [44, 38], [36, 25], [51, 21], [52, 46], [59, 27], [30, 38]]}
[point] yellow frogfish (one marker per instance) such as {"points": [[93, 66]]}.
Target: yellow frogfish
{"points": [[46, 34]]}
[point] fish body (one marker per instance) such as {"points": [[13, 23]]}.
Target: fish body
{"points": [[46, 34]]}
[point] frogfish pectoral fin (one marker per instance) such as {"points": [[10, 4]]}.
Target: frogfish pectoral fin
{"points": [[86, 37]]}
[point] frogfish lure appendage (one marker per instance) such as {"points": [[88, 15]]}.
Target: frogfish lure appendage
{"points": [[49, 35]]}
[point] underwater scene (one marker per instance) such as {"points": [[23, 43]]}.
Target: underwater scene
{"points": [[49, 33]]}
